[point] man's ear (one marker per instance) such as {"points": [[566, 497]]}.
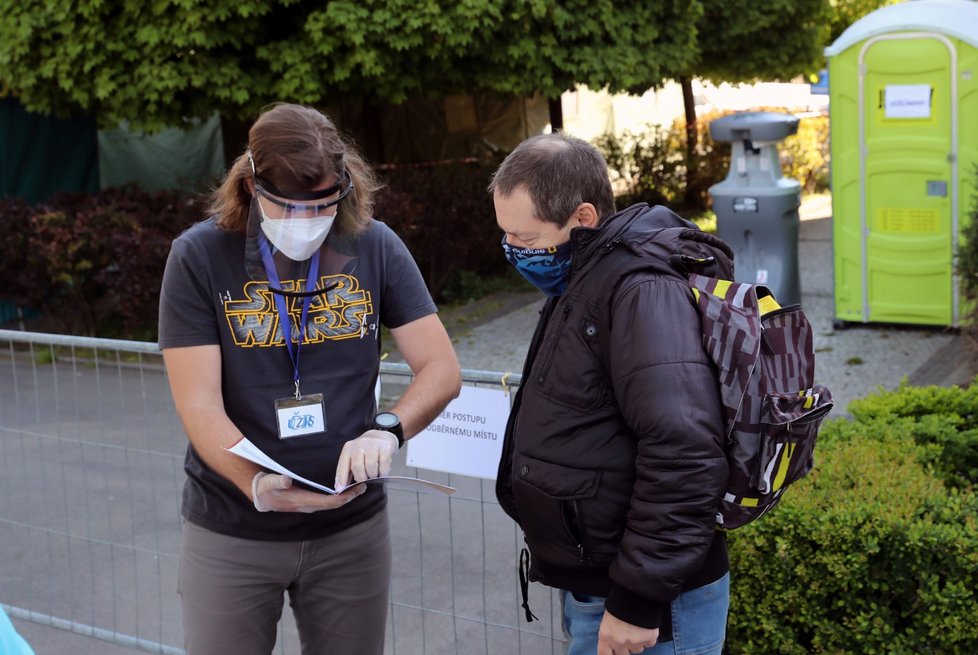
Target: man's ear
{"points": [[587, 215]]}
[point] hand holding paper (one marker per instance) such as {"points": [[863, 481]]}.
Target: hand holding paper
{"points": [[368, 456], [244, 448], [273, 492]]}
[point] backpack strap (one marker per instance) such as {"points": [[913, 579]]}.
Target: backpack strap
{"points": [[731, 321]]}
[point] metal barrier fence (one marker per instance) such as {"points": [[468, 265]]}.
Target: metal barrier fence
{"points": [[91, 457]]}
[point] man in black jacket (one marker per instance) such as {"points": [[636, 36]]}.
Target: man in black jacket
{"points": [[613, 459]]}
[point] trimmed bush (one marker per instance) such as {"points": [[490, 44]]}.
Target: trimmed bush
{"points": [[876, 551], [943, 417], [93, 264], [25, 282]]}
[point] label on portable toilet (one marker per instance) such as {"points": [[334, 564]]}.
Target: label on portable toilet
{"points": [[907, 101], [761, 276], [908, 220], [745, 205], [937, 188]]}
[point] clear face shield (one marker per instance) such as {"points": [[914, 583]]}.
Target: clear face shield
{"points": [[287, 230]]}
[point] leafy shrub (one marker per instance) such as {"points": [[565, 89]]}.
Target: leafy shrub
{"points": [[944, 417], [805, 155], [25, 280], [653, 167], [871, 553], [92, 264], [644, 167]]}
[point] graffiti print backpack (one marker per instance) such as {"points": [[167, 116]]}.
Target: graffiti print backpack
{"points": [[772, 407]]}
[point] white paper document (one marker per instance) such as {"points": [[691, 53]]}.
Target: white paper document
{"points": [[244, 448]]}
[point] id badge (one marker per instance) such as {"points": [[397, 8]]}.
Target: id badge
{"points": [[297, 418]]}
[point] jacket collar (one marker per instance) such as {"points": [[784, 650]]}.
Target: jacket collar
{"points": [[655, 233], [637, 224]]}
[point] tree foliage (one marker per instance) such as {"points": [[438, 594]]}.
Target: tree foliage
{"points": [[744, 40], [847, 12], [157, 62], [551, 46]]}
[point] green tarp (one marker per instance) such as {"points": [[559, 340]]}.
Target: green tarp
{"points": [[42, 155], [188, 158]]}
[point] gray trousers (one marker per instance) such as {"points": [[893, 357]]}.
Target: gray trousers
{"points": [[232, 590]]}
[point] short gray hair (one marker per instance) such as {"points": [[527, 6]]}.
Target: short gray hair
{"points": [[559, 172]]}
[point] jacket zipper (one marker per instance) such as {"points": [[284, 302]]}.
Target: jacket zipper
{"points": [[506, 459], [582, 550], [608, 247]]}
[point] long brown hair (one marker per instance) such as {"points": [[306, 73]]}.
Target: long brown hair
{"points": [[295, 148]]}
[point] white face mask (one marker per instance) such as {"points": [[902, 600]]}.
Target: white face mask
{"points": [[297, 238]]}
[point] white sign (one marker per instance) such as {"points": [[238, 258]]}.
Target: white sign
{"points": [[907, 101], [467, 438]]}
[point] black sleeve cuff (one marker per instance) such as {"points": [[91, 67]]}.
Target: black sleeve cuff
{"points": [[632, 608]]}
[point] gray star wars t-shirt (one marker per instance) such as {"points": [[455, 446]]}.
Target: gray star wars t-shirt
{"points": [[208, 298]]}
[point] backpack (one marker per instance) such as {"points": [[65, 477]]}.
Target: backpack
{"points": [[765, 364], [771, 407]]}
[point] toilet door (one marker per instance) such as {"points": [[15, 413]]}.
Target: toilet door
{"points": [[908, 179]]}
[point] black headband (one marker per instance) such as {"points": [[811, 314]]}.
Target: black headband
{"points": [[345, 183]]}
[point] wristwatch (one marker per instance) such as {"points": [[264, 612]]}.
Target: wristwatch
{"points": [[389, 422]]}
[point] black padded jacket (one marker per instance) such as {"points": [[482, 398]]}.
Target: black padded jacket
{"points": [[613, 458]]}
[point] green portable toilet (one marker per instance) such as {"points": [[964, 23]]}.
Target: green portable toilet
{"points": [[903, 94]]}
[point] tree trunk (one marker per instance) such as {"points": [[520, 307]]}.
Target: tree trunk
{"points": [[556, 114], [692, 137]]}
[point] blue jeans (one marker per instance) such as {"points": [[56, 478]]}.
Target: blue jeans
{"points": [[699, 621]]}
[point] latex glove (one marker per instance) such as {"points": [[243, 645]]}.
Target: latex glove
{"points": [[616, 637], [272, 492], [366, 457]]}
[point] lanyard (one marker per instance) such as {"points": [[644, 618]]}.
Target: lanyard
{"points": [[283, 311]]}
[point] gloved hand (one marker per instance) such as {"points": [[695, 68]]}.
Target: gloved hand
{"points": [[366, 457], [274, 493]]}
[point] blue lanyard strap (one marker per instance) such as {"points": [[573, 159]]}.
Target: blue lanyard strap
{"points": [[283, 311]]}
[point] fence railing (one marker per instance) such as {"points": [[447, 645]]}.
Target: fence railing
{"points": [[91, 473]]}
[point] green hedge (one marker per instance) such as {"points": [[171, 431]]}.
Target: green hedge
{"points": [[876, 551]]}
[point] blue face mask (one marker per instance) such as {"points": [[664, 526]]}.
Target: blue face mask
{"points": [[546, 268]]}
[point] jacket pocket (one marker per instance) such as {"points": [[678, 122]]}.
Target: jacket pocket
{"points": [[789, 426], [549, 498], [571, 372]]}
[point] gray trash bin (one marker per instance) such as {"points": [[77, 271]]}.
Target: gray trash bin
{"points": [[757, 208]]}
